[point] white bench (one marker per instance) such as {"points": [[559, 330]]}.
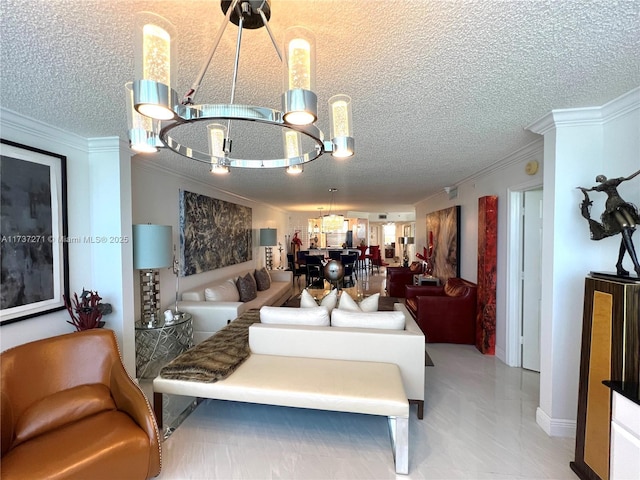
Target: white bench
{"points": [[323, 384]]}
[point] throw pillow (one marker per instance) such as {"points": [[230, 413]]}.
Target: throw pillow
{"points": [[225, 292], [415, 267], [331, 300], [369, 304], [247, 288], [383, 320], [348, 303], [263, 280], [315, 316], [306, 300], [454, 288]]}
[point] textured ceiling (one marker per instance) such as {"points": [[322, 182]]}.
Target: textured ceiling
{"points": [[440, 89]]}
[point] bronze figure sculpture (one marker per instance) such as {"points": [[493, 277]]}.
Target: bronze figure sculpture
{"points": [[618, 217]]}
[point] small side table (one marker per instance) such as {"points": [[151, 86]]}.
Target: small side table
{"points": [[157, 345], [426, 280]]}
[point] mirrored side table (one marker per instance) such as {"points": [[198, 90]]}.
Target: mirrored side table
{"points": [[426, 280], [157, 345]]}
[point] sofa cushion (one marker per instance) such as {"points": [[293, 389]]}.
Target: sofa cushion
{"points": [[315, 316], [369, 304], [62, 408], [247, 288], [263, 280], [383, 320], [225, 292]]}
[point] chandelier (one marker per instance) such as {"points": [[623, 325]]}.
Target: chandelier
{"points": [[215, 133], [332, 223]]}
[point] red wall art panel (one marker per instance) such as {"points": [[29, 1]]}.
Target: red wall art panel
{"points": [[487, 265]]}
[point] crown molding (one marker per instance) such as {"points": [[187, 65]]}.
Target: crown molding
{"points": [[20, 124], [589, 116]]}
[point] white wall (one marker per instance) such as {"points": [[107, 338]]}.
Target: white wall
{"points": [[506, 174], [155, 193], [97, 201], [578, 145]]}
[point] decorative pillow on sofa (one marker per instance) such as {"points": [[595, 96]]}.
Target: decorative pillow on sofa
{"points": [[225, 292], [263, 279], [415, 267], [454, 288], [247, 288], [330, 300], [383, 320], [315, 316], [369, 304]]}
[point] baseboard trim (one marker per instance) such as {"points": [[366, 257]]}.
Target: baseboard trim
{"points": [[555, 427]]}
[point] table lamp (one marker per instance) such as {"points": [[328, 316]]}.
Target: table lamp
{"points": [[405, 241], [152, 250], [268, 238]]}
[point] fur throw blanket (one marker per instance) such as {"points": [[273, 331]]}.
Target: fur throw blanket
{"points": [[218, 356]]}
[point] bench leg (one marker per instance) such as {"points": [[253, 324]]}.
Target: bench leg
{"points": [[399, 430]]}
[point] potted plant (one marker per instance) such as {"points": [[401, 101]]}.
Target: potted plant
{"points": [[86, 312]]}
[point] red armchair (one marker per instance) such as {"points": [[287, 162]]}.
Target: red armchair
{"points": [[399, 277], [446, 314]]}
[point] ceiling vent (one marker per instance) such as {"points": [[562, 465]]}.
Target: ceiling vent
{"points": [[382, 216]]}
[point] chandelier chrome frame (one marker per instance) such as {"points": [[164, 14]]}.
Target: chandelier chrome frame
{"points": [[149, 93]]}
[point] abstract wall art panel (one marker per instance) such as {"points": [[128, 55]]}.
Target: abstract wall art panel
{"points": [[213, 233], [444, 227], [487, 268]]}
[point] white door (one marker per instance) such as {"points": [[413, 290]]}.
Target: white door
{"points": [[531, 281]]}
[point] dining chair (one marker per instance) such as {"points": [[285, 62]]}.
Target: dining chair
{"points": [[375, 258], [298, 271], [349, 262], [362, 257], [314, 270]]}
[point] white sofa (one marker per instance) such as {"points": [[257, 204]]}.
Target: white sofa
{"points": [[210, 316], [404, 348]]}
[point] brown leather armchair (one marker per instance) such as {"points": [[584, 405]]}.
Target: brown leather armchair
{"points": [[70, 411], [446, 314], [399, 277]]}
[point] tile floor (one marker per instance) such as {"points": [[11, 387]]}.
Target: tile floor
{"points": [[479, 423]]}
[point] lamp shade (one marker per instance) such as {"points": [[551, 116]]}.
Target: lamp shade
{"points": [[268, 237], [152, 246]]}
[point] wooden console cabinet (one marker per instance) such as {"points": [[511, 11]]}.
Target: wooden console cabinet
{"points": [[610, 351]]}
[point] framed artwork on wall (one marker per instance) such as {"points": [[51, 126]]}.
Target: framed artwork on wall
{"points": [[213, 233], [33, 232], [444, 227]]}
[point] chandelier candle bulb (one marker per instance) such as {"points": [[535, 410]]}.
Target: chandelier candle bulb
{"points": [[291, 140], [299, 64], [291, 144], [217, 135], [341, 126], [299, 68], [154, 52]]}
